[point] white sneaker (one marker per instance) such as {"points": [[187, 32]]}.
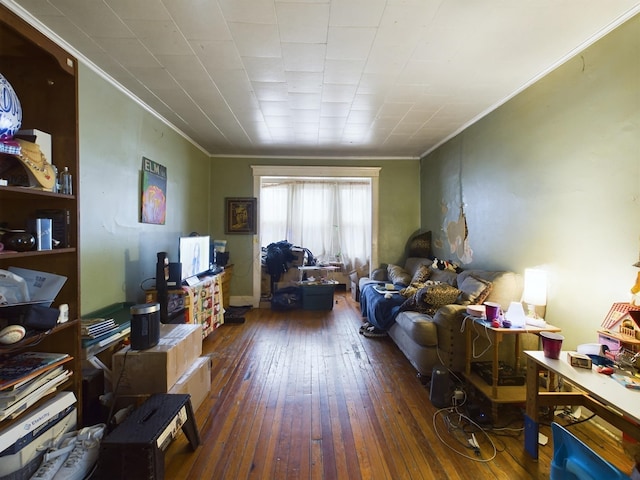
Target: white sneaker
{"points": [[84, 455], [55, 457]]}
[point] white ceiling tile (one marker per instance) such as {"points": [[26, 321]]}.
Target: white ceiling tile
{"points": [[388, 77], [356, 13], [249, 11], [208, 23], [275, 109], [304, 101], [347, 72], [338, 93], [139, 9], [161, 38], [350, 43], [303, 22], [303, 57], [256, 40], [262, 69], [304, 82], [271, 91], [95, 17], [217, 55], [334, 109], [130, 52]]}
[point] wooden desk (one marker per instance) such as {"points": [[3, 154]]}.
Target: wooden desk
{"points": [[600, 393]]}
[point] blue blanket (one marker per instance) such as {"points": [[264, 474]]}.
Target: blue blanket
{"points": [[378, 310]]}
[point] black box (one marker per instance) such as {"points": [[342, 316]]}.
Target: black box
{"points": [[318, 297]]}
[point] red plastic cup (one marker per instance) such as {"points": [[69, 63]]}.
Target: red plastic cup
{"points": [[551, 344], [493, 310]]}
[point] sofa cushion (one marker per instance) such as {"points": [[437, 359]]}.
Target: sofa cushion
{"points": [[473, 290], [420, 245], [423, 272], [398, 274], [419, 327]]}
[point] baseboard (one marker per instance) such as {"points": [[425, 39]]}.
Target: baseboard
{"points": [[241, 301]]}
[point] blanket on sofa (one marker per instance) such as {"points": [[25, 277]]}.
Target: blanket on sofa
{"points": [[380, 311]]}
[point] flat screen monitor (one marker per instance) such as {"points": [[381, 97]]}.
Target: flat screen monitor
{"points": [[194, 255]]}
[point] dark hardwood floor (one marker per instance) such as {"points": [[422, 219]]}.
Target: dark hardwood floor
{"points": [[302, 395]]}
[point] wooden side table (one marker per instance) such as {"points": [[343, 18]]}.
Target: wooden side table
{"points": [[496, 393]]}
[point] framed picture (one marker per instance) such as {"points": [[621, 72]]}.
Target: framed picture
{"points": [[241, 215], [153, 208]]}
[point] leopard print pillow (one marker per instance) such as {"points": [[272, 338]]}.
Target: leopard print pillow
{"points": [[430, 298]]}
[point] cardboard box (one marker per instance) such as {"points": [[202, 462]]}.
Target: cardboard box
{"points": [[157, 369], [196, 381]]}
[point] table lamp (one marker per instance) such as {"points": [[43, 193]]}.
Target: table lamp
{"points": [[535, 290]]}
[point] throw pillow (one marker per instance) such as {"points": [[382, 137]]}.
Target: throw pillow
{"points": [[422, 274], [473, 291], [430, 298], [420, 245], [397, 274], [439, 295]]}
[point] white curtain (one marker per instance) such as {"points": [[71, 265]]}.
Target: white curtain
{"points": [[330, 217]]}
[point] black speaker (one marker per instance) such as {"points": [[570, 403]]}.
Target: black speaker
{"points": [[439, 394], [175, 275], [145, 326]]}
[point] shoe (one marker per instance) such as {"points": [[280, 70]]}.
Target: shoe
{"points": [[373, 332], [84, 454], [55, 457], [364, 326]]}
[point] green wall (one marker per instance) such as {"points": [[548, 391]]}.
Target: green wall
{"points": [[552, 179], [118, 253], [399, 192]]}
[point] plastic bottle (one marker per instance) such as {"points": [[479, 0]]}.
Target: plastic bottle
{"points": [[55, 187], [65, 182]]}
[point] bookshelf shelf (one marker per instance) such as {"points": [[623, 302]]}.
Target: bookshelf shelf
{"points": [[44, 77]]}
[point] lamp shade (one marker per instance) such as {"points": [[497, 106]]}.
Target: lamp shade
{"points": [[535, 287]]}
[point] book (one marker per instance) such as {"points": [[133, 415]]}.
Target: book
{"points": [[627, 381], [20, 406], [19, 369], [61, 220], [7, 397]]}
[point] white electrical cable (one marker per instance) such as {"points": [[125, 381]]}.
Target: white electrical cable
{"points": [[469, 440]]}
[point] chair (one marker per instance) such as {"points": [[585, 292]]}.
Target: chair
{"points": [[573, 460]]}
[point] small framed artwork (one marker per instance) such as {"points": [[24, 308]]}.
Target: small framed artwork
{"points": [[154, 187], [241, 215]]}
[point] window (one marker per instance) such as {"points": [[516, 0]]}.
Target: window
{"points": [[330, 216], [350, 219]]}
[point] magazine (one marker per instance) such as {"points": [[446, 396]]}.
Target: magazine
{"points": [[19, 369]]}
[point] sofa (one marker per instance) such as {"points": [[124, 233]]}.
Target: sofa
{"points": [[432, 334]]}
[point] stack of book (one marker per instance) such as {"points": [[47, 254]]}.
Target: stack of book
{"points": [[96, 327], [28, 377], [104, 327]]}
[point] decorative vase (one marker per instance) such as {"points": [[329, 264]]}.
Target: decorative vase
{"points": [[19, 241]]}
